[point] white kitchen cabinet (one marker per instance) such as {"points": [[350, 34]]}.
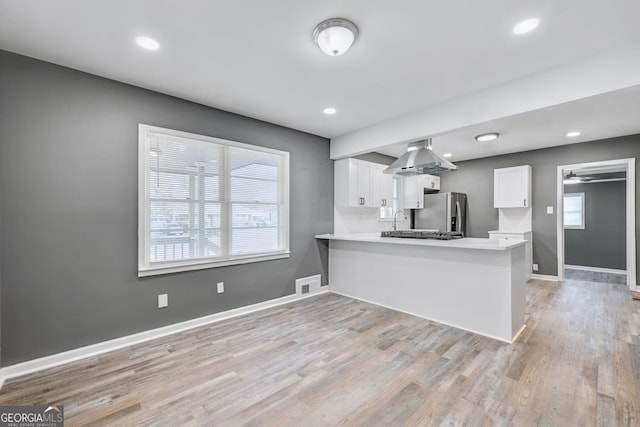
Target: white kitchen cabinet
{"points": [[352, 183], [413, 188], [512, 187], [358, 183], [519, 235], [381, 186], [430, 182]]}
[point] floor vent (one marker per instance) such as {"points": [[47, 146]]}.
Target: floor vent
{"points": [[308, 285]]}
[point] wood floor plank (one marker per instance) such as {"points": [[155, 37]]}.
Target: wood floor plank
{"points": [[331, 360]]}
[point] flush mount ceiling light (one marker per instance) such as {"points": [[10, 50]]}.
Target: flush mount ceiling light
{"points": [[335, 36], [487, 136], [147, 43], [526, 26], [329, 111], [573, 134], [447, 155]]}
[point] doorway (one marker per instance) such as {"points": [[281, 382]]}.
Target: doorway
{"points": [[609, 166]]}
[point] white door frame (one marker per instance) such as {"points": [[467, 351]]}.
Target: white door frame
{"points": [[631, 214]]}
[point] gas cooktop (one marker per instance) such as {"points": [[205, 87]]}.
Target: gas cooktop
{"points": [[423, 234]]}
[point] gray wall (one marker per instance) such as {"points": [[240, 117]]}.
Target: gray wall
{"points": [[602, 243], [68, 186], [382, 159], [475, 177]]}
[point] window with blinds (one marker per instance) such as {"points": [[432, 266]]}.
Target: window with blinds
{"points": [[207, 202]]}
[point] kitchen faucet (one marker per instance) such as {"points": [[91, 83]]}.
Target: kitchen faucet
{"points": [[395, 219]]}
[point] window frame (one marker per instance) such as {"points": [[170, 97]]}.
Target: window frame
{"points": [[582, 224], [147, 268]]}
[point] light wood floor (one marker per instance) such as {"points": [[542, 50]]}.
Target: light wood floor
{"points": [[331, 360]]}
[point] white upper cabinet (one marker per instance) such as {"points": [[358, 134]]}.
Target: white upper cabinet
{"points": [[413, 189], [358, 183], [512, 187], [381, 186], [352, 183]]}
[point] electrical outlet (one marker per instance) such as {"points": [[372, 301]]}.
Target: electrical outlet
{"points": [[535, 267], [163, 300], [220, 287]]}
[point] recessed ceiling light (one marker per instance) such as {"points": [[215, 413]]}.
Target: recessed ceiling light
{"points": [[487, 136], [329, 111], [526, 26], [147, 43], [447, 155], [573, 134]]}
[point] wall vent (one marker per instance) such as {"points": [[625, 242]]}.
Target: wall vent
{"points": [[308, 285]]}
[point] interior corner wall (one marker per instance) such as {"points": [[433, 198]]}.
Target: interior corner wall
{"points": [[602, 243], [475, 177], [68, 183]]}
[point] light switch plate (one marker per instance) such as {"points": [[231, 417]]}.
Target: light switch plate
{"points": [[549, 210], [163, 300], [220, 287]]}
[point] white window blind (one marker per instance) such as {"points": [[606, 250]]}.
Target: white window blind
{"points": [[206, 202], [574, 211]]}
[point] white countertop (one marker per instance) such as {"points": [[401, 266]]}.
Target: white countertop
{"points": [[464, 243]]}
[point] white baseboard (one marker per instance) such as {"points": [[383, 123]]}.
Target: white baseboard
{"points": [[595, 269], [544, 277], [53, 360]]}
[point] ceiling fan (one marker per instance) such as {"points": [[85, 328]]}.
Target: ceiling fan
{"points": [[572, 178]]}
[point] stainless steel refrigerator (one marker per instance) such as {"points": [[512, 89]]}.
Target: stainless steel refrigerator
{"points": [[443, 212]]}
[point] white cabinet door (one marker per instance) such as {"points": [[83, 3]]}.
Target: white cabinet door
{"points": [[346, 183], [413, 189], [430, 182], [412, 193], [363, 172], [381, 187], [375, 179], [386, 193], [512, 187]]}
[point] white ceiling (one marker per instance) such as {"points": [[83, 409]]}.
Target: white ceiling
{"points": [[603, 116], [258, 59]]}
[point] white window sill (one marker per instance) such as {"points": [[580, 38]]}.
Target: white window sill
{"points": [[167, 268]]}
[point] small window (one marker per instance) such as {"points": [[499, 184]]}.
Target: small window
{"points": [[207, 202], [574, 211]]}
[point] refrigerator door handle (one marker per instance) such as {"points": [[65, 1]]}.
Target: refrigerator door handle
{"points": [[458, 216]]}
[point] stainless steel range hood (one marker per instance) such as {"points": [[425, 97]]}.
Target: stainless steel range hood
{"points": [[419, 160]]}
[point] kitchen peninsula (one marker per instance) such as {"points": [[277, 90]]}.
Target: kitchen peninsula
{"points": [[472, 284]]}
